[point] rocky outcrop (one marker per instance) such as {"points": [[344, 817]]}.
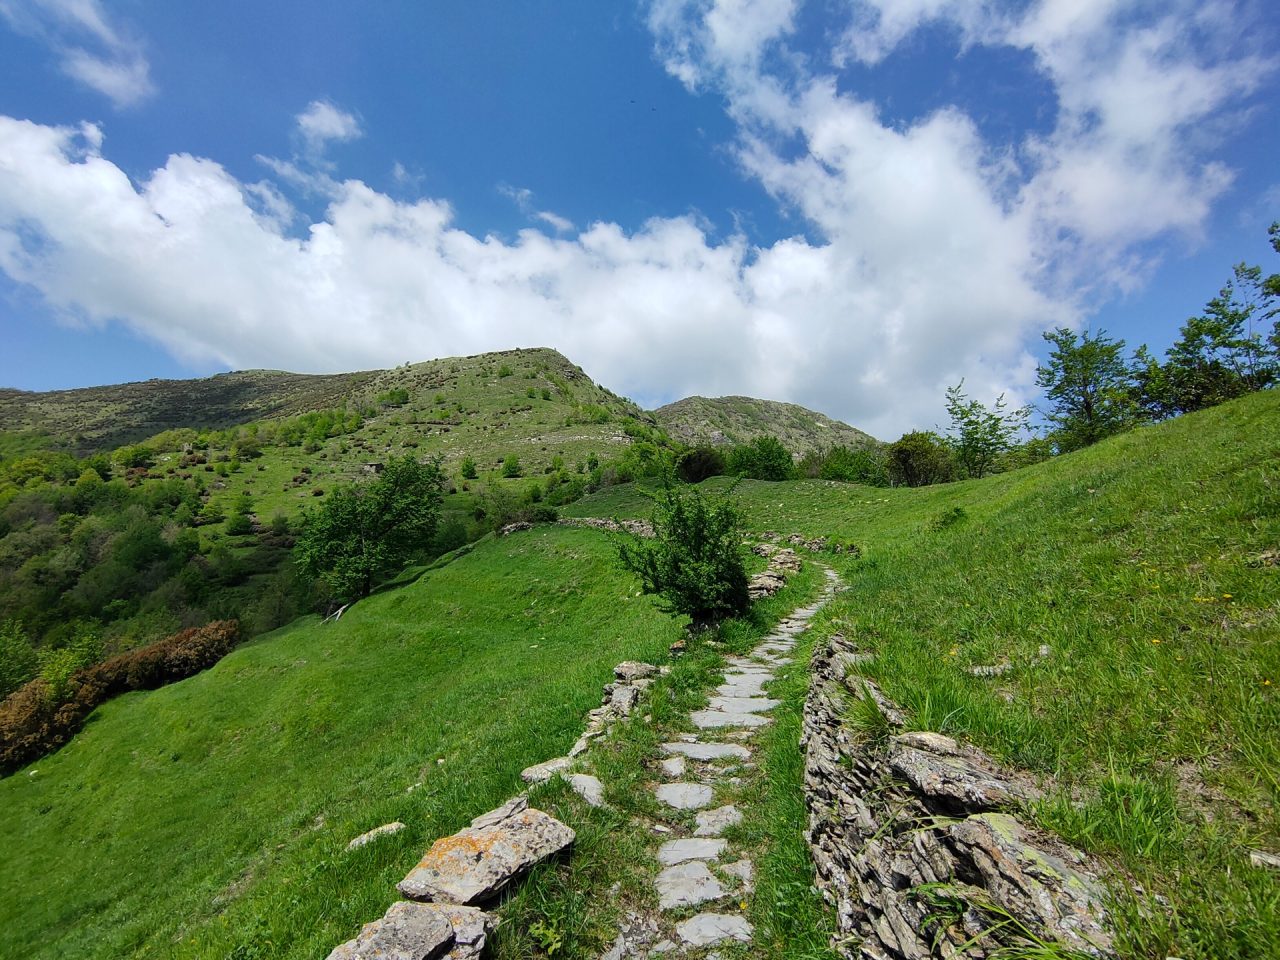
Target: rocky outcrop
{"points": [[782, 563], [916, 843]]}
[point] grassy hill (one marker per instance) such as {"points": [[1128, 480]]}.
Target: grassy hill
{"points": [[720, 421], [209, 818], [1147, 569]]}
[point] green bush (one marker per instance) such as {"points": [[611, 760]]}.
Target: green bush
{"points": [[920, 458], [698, 464], [18, 660], [764, 458], [695, 561], [511, 467], [468, 468]]}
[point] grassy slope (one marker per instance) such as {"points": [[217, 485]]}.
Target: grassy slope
{"points": [[1139, 563], [711, 420], [208, 819]]}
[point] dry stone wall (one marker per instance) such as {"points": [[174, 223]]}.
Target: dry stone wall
{"points": [[916, 840]]}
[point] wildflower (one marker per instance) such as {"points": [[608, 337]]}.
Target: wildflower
{"points": [[1266, 683], [1155, 639], [1226, 596]]}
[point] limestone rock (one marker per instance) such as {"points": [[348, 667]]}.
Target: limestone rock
{"points": [[589, 788], [687, 885], [679, 851], [712, 823], [471, 929], [623, 699], [408, 931], [542, 772], [684, 796], [385, 830], [475, 864], [707, 929], [673, 767], [630, 670], [708, 751], [964, 780], [744, 870], [1032, 880], [717, 719]]}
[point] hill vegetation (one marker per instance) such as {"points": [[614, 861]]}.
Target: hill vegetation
{"points": [[729, 421], [1105, 620]]}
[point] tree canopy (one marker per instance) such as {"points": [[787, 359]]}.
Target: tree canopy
{"points": [[365, 532]]}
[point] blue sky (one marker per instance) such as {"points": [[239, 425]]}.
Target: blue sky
{"points": [[843, 203]]}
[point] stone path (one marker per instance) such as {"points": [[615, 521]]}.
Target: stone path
{"points": [[701, 871]]}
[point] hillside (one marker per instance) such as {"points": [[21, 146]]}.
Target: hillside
{"points": [[212, 814], [101, 418], [1106, 620], [720, 421]]}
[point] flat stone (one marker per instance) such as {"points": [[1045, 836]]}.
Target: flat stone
{"points": [[634, 670], [744, 870], [963, 778], [684, 796], [687, 885], [742, 704], [707, 929], [383, 831], [623, 699], [542, 772], [475, 864], [708, 751], [712, 823], [407, 931], [1260, 858], [716, 719], [589, 788], [673, 767], [678, 851]]}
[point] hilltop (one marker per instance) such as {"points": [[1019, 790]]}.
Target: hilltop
{"points": [[724, 421]]}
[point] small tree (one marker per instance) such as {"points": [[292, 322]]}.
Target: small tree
{"points": [[18, 660], [363, 533], [511, 467], [920, 458], [698, 464], [1088, 386], [468, 468], [980, 434], [695, 561]]}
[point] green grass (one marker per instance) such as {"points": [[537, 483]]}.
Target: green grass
{"points": [[1146, 565], [209, 818]]}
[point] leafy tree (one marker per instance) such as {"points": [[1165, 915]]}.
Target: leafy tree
{"points": [[920, 458], [696, 465], [364, 532], [1223, 353], [1088, 386], [511, 467], [695, 561], [764, 458], [468, 468], [980, 434]]}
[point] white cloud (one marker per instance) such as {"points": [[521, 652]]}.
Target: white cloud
{"points": [[940, 255], [89, 48], [322, 123]]}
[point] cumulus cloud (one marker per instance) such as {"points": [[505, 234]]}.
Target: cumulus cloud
{"points": [[89, 47], [932, 254]]}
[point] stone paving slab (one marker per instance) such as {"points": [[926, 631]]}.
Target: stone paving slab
{"points": [[708, 751], [684, 796], [687, 885], [742, 704], [708, 929], [715, 719], [690, 848]]}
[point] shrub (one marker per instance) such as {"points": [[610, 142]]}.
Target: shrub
{"points": [[505, 370], [920, 458], [37, 718], [695, 561], [511, 467], [764, 458], [468, 468], [848, 465]]}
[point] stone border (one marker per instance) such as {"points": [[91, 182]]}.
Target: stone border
{"points": [[915, 843]]}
